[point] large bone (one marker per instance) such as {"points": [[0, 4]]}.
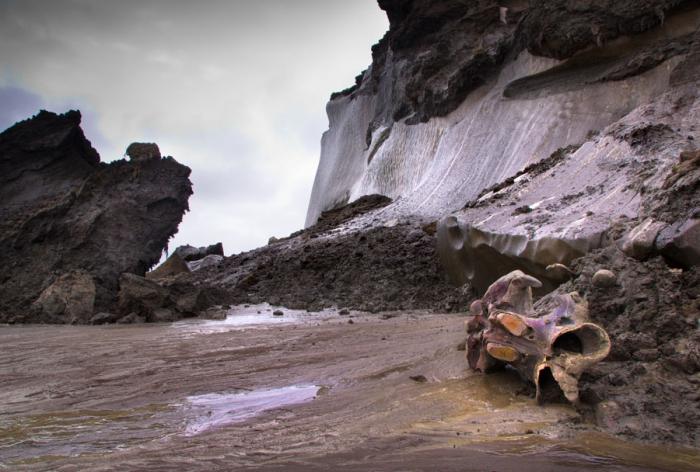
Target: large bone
{"points": [[551, 346]]}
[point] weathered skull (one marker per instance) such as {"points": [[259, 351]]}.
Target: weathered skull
{"points": [[552, 348]]}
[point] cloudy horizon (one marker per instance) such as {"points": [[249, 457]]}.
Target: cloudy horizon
{"points": [[236, 90]]}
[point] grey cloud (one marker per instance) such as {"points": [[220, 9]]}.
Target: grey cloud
{"points": [[234, 89]]}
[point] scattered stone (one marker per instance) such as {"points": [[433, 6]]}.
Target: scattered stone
{"points": [[69, 299], [272, 240], [680, 243], [161, 315], [140, 296], [351, 322], [191, 300], [217, 312], [143, 151], [172, 266], [207, 261], [639, 243], [604, 279], [278, 313], [190, 253], [558, 272], [344, 312], [131, 318], [418, 378], [103, 317]]}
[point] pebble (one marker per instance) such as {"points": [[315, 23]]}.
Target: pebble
{"points": [[278, 313], [604, 278]]}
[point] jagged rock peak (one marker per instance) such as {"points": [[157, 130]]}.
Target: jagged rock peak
{"points": [[63, 212]]}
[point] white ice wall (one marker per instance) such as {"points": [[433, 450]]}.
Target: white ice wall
{"points": [[438, 166]]}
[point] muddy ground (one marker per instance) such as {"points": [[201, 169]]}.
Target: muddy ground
{"points": [[389, 391]]}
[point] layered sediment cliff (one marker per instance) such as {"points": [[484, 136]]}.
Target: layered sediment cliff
{"points": [[461, 97]]}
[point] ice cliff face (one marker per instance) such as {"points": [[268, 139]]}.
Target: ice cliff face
{"points": [[460, 96]]}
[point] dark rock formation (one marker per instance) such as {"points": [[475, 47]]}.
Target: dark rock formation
{"points": [[143, 151], [63, 212], [190, 253], [561, 28], [436, 52], [172, 266]]}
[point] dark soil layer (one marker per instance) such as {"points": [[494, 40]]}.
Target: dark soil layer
{"points": [[436, 53], [649, 387]]}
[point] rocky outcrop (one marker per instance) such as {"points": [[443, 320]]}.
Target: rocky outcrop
{"points": [[206, 261], [63, 212], [190, 253], [143, 151], [172, 266], [70, 299]]}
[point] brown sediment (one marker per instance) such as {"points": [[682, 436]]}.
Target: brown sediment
{"points": [[116, 398]]}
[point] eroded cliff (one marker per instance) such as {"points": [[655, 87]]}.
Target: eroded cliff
{"points": [[70, 225]]}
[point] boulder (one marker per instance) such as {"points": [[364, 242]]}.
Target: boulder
{"points": [[162, 315], [172, 266], [140, 296], [70, 298], [604, 278], [190, 253], [680, 243], [207, 261], [104, 317], [143, 151], [192, 301], [639, 243]]}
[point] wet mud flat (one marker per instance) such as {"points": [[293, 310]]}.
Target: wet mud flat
{"points": [[302, 391]]}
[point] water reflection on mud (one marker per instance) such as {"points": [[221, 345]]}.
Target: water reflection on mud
{"points": [[243, 317], [218, 409]]}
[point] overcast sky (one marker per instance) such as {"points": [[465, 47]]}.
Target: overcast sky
{"points": [[235, 89]]}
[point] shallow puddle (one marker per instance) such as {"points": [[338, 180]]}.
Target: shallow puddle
{"points": [[243, 317], [218, 409]]}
